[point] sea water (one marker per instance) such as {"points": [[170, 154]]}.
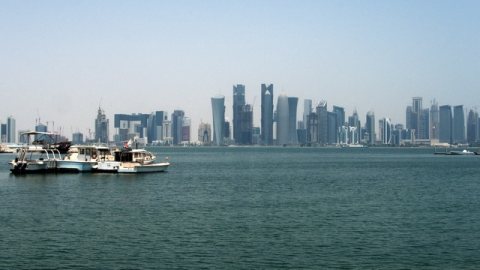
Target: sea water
{"points": [[250, 208]]}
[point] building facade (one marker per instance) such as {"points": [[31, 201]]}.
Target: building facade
{"points": [[218, 112], [101, 127], [267, 114], [238, 106], [445, 124]]}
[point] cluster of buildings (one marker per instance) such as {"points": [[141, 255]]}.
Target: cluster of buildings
{"points": [[154, 128], [320, 126]]}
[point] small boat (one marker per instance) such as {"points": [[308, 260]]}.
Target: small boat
{"points": [[83, 158], [6, 149], [132, 161], [464, 152], [34, 158]]}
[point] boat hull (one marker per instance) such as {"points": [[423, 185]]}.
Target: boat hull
{"points": [[75, 166], [138, 168], [33, 167]]}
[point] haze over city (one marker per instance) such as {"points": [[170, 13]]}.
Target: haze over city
{"points": [[60, 60]]}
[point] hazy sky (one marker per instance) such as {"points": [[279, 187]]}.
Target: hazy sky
{"points": [[60, 59]]}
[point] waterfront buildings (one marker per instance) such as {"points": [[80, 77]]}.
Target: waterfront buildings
{"points": [[370, 128], [458, 125], [218, 112], [472, 127], [267, 114], [177, 126], [238, 105], [101, 127], [152, 128], [434, 121], [77, 138], [385, 131], [418, 119], [445, 124], [292, 120], [283, 135], [205, 133]]}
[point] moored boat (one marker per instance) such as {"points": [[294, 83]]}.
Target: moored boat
{"points": [[34, 160], [132, 161], [83, 158]]}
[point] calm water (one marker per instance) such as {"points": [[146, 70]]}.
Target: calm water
{"points": [[250, 208]]}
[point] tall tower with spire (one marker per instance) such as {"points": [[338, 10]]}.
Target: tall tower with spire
{"points": [[101, 127]]}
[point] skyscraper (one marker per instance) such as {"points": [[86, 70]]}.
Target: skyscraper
{"points": [[307, 109], [205, 133], [246, 125], [458, 124], [177, 126], [385, 126], [370, 128], [130, 126], [472, 122], [283, 136], [434, 121], [11, 130], [292, 120], [322, 122], [332, 130], [218, 111], [267, 114], [418, 119], [354, 121], [101, 127], [238, 103], [445, 124]]}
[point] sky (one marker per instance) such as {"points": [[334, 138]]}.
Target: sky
{"points": [[61, 60]]}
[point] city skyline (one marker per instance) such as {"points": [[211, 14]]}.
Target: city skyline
{"points": [[147, 56]]}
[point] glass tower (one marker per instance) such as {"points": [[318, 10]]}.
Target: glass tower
{"points": [[218, 111]]}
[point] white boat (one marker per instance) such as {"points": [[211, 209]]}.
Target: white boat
{"points": [[6, 149], [35, 158], [83, 158], [132, 161]]}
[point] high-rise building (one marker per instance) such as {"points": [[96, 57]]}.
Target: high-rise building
{"points": [[155, 126], [307, 110], [101, 127], [354, 121], [322, 122], [418, 119], [458, 125], [218, 111], [312, 128], [3, 133], [238, 103], [11, 130], [332, 128], [434, 121], [340, 112], [177, 126], [370, 128], [292, 120], [445, 124], [283, 136], [246, 125], [472, 129], [205, 133], [131, 126], [186, 130], [267, 114], [385, 127], [77, 138]]}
